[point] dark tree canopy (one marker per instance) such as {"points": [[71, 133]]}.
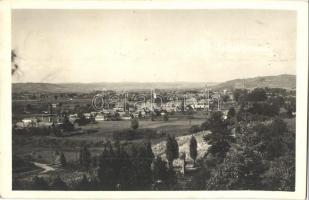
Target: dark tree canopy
{"points": [[231, 113], [160, 170], [193, 149], [258, 94], [58, 184], [244, 166], [134, 123], [172, 150], [39, 183], [63, 160], [220, 137], [84, 158]]}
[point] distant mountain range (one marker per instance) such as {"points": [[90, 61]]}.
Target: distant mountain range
{"points": [[88, 87], [280, 81]]}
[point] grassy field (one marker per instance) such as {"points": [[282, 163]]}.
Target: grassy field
{"points": [[42, 148]]}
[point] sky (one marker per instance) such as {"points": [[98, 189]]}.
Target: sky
{"points": [[60, 46]]}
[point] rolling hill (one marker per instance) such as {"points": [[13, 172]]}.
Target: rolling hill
{"points": [[281, 81], [89, 87]]}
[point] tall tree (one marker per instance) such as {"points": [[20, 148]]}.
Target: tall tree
{"points": [[193, 149], [84, 158], [149, 151], [172, 150], [231, 113], [220, 136], [13, 62], [63, 160], [142, 164], [159, 169], [106, 171]]}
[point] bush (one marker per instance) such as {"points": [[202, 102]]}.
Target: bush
{"points": [[280, 175], [134, 124], [240, 170], [165, 117], [266, 109], [58, 184], [38, 183], [195, 129]]}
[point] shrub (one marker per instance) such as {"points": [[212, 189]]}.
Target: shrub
{"points": [[134, 123], [195, 129]]}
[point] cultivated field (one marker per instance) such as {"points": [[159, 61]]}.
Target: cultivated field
{"points": [[42, 148]]}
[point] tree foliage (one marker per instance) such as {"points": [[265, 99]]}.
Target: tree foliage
{"points": [[231, 113], [39, 183], [240, 170], [58, 184], [193, 149], [118, 169], [134, 123], [220, 137], [258, 94], [172, 150], [160, 170], [84, 158], [63, 160]]}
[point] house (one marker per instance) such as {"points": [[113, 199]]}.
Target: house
{"points": [[191, 101], [29, 122], [201, 105], [225, 112], [216, 96], [87, 115], [44, 124], [32, 122], [105, 111], [135, 115], [125, 117], [72, 118], [99, 117], [118, 109]]}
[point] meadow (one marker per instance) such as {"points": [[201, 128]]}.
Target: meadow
{"points": [[42, 148]]}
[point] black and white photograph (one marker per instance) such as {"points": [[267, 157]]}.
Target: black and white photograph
{"points": [[155, 99]]}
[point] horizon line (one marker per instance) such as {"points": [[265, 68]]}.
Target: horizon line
{"points": [[143, 82]]}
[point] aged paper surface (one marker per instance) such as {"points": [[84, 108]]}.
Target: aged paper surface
{"points": [[146, 99]]}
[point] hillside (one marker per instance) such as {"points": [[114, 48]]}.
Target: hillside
{"points": [[89, 87], [37, 87], [281, 81]]}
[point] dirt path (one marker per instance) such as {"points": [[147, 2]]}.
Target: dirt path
{"points": [[46, 167]]}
